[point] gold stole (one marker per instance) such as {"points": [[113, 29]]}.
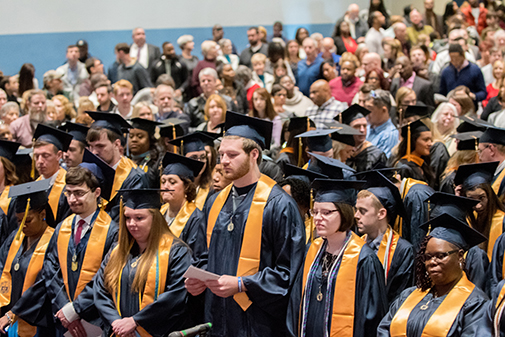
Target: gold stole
{"points": [[182, 218], [342, 318], [495, 231], [34, 267], [497, 182], [442, 319], [249, 260], [122, 171], [164, 208], [201, 197], [308, 229], [287, 150], [415, 159], [5, 200], [150, 290], [406, 186], [499, 305], [93, 255], [58, 186], [387, 248], [306, 166]]}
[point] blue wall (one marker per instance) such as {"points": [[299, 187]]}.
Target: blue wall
{"points": [[47, 50]]}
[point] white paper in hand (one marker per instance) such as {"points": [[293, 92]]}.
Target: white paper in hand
{"points": [[200, 274], [91, 330]]}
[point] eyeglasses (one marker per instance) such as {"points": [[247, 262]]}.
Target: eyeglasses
{"points": [[77, 194], [438, 256], [479, 151], [203, 157], [324, 212]]}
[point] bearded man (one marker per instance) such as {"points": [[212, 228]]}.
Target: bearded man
{"points": [[23, 128]]}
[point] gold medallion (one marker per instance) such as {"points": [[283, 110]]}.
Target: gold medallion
{"points": [[424, 306], [74, 265], [231, 226], [319, 296], [74, 258], [134, 263], [16, 267]]}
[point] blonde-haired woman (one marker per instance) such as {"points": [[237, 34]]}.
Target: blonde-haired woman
{"points": [[445, 122], [143, 110], [64, 109], [140, 286], [215, 110]]}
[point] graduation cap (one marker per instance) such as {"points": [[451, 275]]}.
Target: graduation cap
{"points": [[256, 129], [409, 129], [8, 149], [53, 136], [35, 192], [330, 167], [333, 190], [295, 172], [110, 121], [195, 141], [467, 140], [387, 193], [493, 135], [352, 113], [172, 128], [101, 170], [78, 131], [140, 198], [318, 140], [472, 175], [451, 229], [388, 172], [144, 124], [301, 123], [469, 123], [457, 207], [182, 166], [418, 110], [344, 133]]}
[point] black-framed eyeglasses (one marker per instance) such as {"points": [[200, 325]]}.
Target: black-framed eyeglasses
{"points": [[324, 212], [439, 257], [479, 151], [77, 194]]}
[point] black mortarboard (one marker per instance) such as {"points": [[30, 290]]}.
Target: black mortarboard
{"points": [[467, 140], [344, 133], [54, 136], [352, 113], [182, 166], [331, 190], [172, 128], [472, 175], [458, 207], [387, 193], [78, 131], [195, 141], [211, 137], [8, 149], [469, 123], [110, 121], [408, 130], [144, 124], [493, 135], [330, 167], [101, 170], [301, 123], [318, 140], [295, 172], [141, 198], [450, 229], [417, 110], [256, 129], [388, 172], [36, 191]]}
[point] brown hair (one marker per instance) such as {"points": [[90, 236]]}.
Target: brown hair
{"points": [[68, 107], [189, 189], [367, 194], [40, 143], [85, 104], [79, 175], [220, 101], [94, 134], [9, 172], [269, 108], [346, 215], [460, 157], [248, 145]]}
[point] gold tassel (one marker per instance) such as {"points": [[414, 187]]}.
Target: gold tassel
{"points": [[18, 234], [182, 147], [408, 142], [476, 149], [429, 211], [121, 211], [311, 217], [300, 149], [340, 118]]}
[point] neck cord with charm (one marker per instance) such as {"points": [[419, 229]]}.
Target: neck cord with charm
{"points": [[426, 306], [23, 252], [236, 200]]}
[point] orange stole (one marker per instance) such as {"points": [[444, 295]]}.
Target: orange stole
{"points": [[94, 250], [387, 250], [58, 186], [182, 218], [496, 184], [122, 172], [201, 197], [495, 231], [5, 200], [249, 259], [34, 267], [342, 319], [415, 159], [150, 291], [442, 319]]}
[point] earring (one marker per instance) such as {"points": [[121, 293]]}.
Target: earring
{"points": [[461, 265], [44, 219]]}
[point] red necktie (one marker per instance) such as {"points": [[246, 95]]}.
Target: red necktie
{"points": [[78, 232]]}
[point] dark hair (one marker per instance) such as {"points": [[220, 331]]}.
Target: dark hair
{"points": [[104, 84], [300, 191], [456, 48], [276, 88], [3, 81], [338, 30], [269, 108], [90, 63], [72, 46], [189, 189], [253, 28], [347, 220], [297, 35], [278, 24], [9, 172], [449, 11], [321, 67], [379, 8], [276, 51], [124, 47], [165, 43], [384, 83], [79, 175], [94, 134], [422, 279], [26, 75]]}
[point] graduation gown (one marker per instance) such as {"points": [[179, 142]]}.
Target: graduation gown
{"points": [[286, 156], [497, 268], [21, 280], [128, 176], [369, 157], [370, 303], [447, 184], [417, 169], [464, 325], [486, 324], [57, 270], [499, 184], [57, 208], [8, 219], [477, 268], [151, 167], [439, 156], [167, 313], [282, 249]]}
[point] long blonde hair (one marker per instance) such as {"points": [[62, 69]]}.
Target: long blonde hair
{"points": [[159, 228]]}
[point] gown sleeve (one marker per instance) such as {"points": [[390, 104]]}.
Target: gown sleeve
{"points": [[401, 273], [195, 237], [385, 323], [477, 266], [496, 269]]}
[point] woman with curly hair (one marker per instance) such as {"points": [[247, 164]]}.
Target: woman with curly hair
{"points": [[64, 109]]}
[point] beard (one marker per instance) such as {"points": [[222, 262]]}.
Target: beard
{"points": [[36, 118], [241, 171]]}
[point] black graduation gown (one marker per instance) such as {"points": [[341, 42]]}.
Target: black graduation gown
{"points": [[496, 268], [417, 210], [63, 211], [286, 158], [52, 285], [151, 166], [370, 302], [7, 224], [439, 156], [465, 324], [486, 324], [447, 184], [477, 268], [166, 314], [501, 189], [367, 159], [409, 169], [282, 250], [401, 272]]}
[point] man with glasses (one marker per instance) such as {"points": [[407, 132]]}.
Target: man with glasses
{"points": [[492, 149], [381, 131]]}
